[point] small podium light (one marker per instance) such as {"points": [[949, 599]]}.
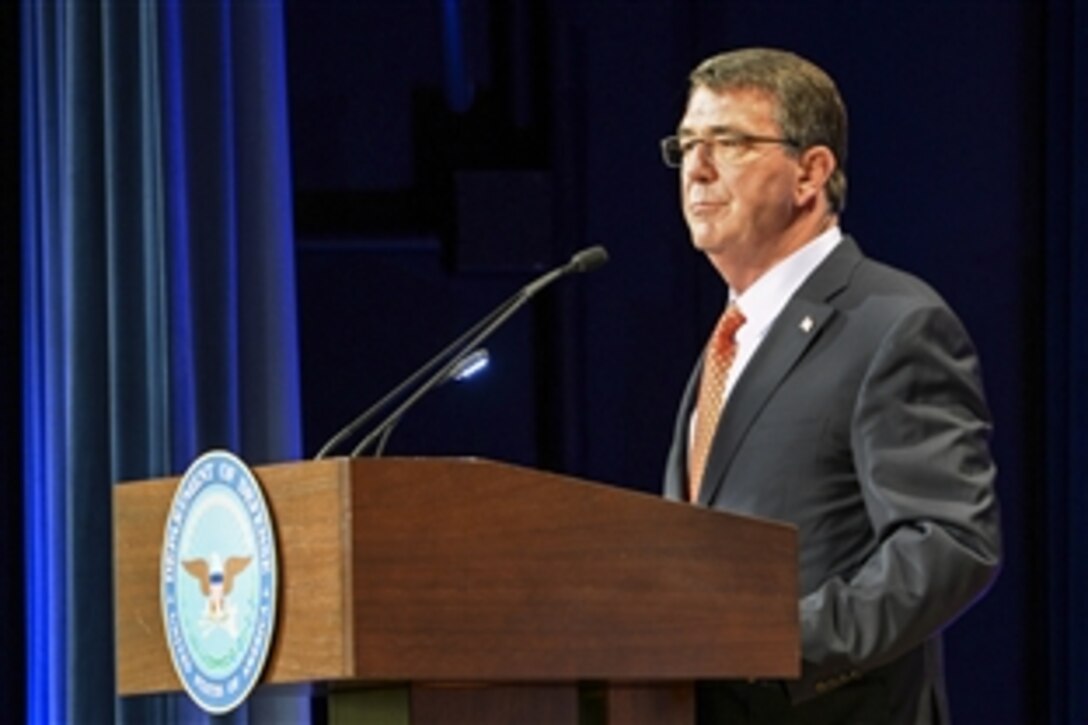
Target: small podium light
{"points": [[472, 363]]}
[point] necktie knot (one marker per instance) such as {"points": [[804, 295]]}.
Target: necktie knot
{"points": [[725, 336]]}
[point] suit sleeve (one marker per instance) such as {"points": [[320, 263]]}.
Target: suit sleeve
{"points": [[919, 435]]}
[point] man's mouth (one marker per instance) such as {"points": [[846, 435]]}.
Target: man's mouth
{"points": [[704, 207]]}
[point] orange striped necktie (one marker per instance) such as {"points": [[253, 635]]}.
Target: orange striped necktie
{"points": [[720, 352]]}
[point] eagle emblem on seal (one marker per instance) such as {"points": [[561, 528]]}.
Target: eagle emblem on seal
{"points": [[216, 578]]}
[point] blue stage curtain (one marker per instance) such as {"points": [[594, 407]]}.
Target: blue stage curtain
{"points": [[1066, 382], [158, 296]]}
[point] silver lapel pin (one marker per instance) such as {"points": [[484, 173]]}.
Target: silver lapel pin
{"points": [[806, 324]]}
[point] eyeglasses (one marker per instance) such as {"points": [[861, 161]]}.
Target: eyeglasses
{"points": [[724, 148]]}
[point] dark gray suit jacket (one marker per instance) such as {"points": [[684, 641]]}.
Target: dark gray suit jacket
{"points": [[861, 420]]}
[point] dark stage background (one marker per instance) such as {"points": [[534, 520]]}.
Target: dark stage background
{"points": [[437, 167], [446, 152]]}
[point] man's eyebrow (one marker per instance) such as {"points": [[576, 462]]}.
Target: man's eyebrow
{"points": [[721, 130]]}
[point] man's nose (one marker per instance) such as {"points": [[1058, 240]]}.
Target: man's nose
{"points": [[699, 163]]}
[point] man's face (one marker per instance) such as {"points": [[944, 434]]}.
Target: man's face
{"points": [[737, 202]]}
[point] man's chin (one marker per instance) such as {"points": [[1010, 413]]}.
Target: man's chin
{"points": [[707, 244], [706, 237]]}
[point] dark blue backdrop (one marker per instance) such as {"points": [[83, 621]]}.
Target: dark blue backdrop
{"points": [[445, 151], [962, 169]]}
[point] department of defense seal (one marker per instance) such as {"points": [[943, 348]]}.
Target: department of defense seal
{"points": [[219, 577]]}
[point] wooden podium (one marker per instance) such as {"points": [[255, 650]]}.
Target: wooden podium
{"points": [[464, 590]]}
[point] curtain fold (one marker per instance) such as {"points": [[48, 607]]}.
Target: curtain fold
{"points": [[159, 298]]}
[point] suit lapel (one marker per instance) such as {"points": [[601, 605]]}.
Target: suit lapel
{"points": [[792, 334], [676, 470]]}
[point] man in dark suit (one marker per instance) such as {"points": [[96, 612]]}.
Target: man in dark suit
{"points": [[837, 394]]}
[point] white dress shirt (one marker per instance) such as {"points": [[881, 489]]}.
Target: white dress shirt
{"points": [[763, 301]]}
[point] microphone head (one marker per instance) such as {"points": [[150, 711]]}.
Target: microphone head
{"points": [[588, 259]]}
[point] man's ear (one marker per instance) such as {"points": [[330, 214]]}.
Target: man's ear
{"points": [[817, 164]]}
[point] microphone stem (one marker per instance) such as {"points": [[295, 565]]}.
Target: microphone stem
{"points": [[583, 261], [519, 300], [457, 346], [380, 449]]}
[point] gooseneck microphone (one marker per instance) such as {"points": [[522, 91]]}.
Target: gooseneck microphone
{"points": [[583, 261], [457, 345], [454, 354]]}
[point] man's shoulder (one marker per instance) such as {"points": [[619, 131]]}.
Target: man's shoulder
{"points": [[884, 277], [902, 288], [879, 298]]}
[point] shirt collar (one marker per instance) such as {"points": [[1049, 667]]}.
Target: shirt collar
{"points": [[763, 301]]}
